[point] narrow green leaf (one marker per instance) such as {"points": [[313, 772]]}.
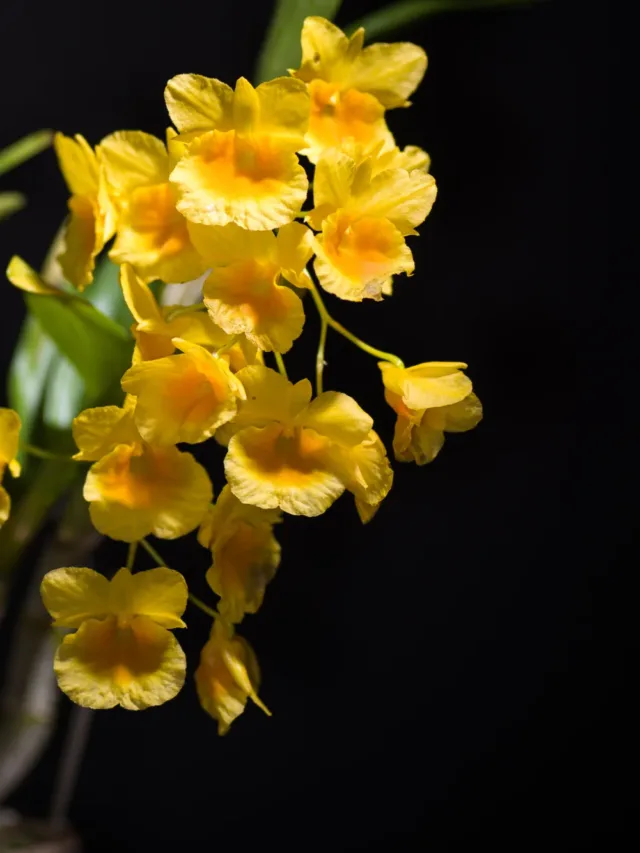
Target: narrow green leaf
{"points": [[64, 394], [11, 203], [105, 293], [32, 360], [99, 348], [407, 12], [24, 149], [281, 48]]}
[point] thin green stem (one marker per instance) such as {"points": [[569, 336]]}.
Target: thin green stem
{"points": [[131, 555], [41, 453], [320, 362], [204, 607], [338, 327], [151, 551], [180, 310], [225, 347], [280, 363]]}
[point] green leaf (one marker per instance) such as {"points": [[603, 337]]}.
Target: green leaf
{"points": [[10, 203], [98, 347], [409, 12], [24, 149], [64, 394], [105, 293], [281, 48], [30, 366]]}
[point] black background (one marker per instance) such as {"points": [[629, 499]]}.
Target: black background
{"points": [[452, 673]]}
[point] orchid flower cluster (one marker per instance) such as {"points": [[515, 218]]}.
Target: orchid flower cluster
{"points": [[221, 201]]}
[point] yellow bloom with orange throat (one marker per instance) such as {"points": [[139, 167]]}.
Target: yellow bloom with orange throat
{"points": [[91, 214], [134, 489], [247, 292], [155, 327], [240, 163], [9, 440], [122, 652], [151, 235], [364, 212], [288, 452], [228, 676], [351, 87], [429, 399], [182, 397], [245, 553]]}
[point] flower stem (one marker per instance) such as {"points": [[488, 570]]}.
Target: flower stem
{"points": [[131, 554], [338, 327], [41, 453], [180, 310], [320, 362], [192, 598], [230, 343], [280, 363], [204, 607]]}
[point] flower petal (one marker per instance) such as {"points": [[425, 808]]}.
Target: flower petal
{"points": [[138, 296], [162, 491], [356, 258], [294, 249], [284, 110], [10, 425], [103, 665], [228, 675], [78, 164], [161, 594], [74, 594], [405, 198], [389, 72], [268, 469], [228, 244], [253, 182], [133, 159], [182, 397], [153, 237], [197, 103], [243, 298], [97, 431], [463, 416], [428, 385], [269, 398], [324, 46], [84, 239], [338, 417]]}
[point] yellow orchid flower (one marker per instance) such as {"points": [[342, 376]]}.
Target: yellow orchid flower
{"points": [[182, 397], [92, 216], [122, 652], [151, 235], [134, 489], [288, 452], [245, 553], [228, 676], [364, 214], [10, 425], [429, 399], [351, 88], [244, 293], [98, 431], [240, 163], [155, 327]]}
